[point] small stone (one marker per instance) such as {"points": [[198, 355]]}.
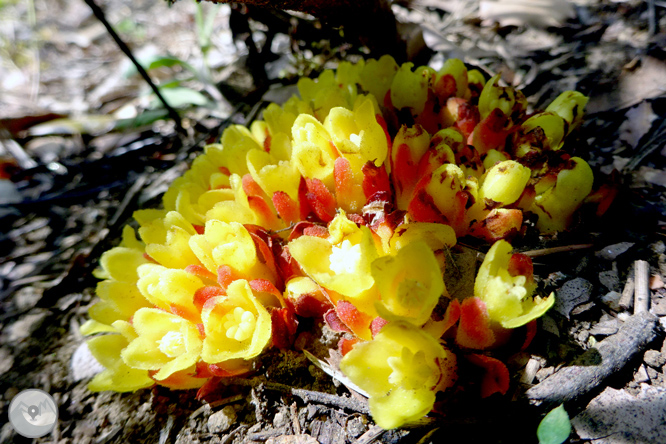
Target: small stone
{"points": [[280, 419], [610, 280], [612, 300], [652, 373], [605, 328], [658, 306], [6, 360], [543, 373], [548, 324], [26, 326], [572, 293], [293, 439], [654, 359], [641, 375], [583, 308], [611, 252], [220, 422], [27, 297], [356, 427]]}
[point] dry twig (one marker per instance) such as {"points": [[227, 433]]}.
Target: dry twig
{"points": [[606, 358], [642, 289]]}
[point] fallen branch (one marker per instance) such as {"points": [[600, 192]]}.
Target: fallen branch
{"points": [[596, 364]]}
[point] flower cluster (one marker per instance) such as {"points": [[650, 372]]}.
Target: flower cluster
{"points": [[341, 205]]}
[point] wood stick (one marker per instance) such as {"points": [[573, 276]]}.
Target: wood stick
{"points": [[553, 250], [591, 368], [642, 290], [627, 299]]}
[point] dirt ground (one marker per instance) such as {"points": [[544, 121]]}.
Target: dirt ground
{"points": [[79, 179]]}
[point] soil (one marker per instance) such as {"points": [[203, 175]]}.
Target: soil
{"points": [[79, 188]]}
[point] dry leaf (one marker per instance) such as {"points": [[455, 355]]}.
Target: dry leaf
{"points": [[638, 121], [538, 13]]}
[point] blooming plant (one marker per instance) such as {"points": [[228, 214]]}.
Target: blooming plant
{"points": [[341, 205]]}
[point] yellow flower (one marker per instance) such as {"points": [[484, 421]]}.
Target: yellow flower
{"points": [[170, 290], [508, 297], [237, 326], [401, 369], [119, 297], [117, 375], [341, 262], [556, 204], [165, 342], [229, 243], [410, 283]]}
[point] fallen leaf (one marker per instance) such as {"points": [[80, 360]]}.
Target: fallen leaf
{"points": [[638, 121], [538, 13], [656, 283]]}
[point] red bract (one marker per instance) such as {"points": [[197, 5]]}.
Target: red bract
{"points": [[474, 327], [496, 376]]}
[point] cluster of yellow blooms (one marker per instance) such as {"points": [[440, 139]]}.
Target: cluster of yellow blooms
{"points": [[341, 205]]}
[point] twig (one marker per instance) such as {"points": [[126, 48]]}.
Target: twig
{"points": [[325, 398], [373, 433], [99, 13], [627, 299], [128, 199], [553, 250], [306, 395], [596, 364], [642, 290]]}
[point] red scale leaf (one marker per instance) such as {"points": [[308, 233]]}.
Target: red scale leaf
{"points": [[496, 377], [375, 180], [320, 200], [283, 327], [474, 328], [285, 206], [202, 295]]}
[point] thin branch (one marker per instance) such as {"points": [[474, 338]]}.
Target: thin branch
{"points": [[553, 250], [99, 13]]}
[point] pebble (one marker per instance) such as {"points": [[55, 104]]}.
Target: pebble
{"points": [[27, 297], [572, 293], [605, 328], [293, 439], [26, 326], [611, 252], [220, 422], [6, 360], [612, 300], [654, 359], [658, 306], [280, 419], [610, 280]]}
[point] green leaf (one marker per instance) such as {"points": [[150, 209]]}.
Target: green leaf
{"points": [[555, 427], [180, 96], [144, 119], [154, 61]]}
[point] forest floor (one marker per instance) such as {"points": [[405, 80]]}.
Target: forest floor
{"points": [[78, 179]]}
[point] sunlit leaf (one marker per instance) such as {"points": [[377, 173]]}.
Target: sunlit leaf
{"points": [[180, 96], [555, 427]]}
